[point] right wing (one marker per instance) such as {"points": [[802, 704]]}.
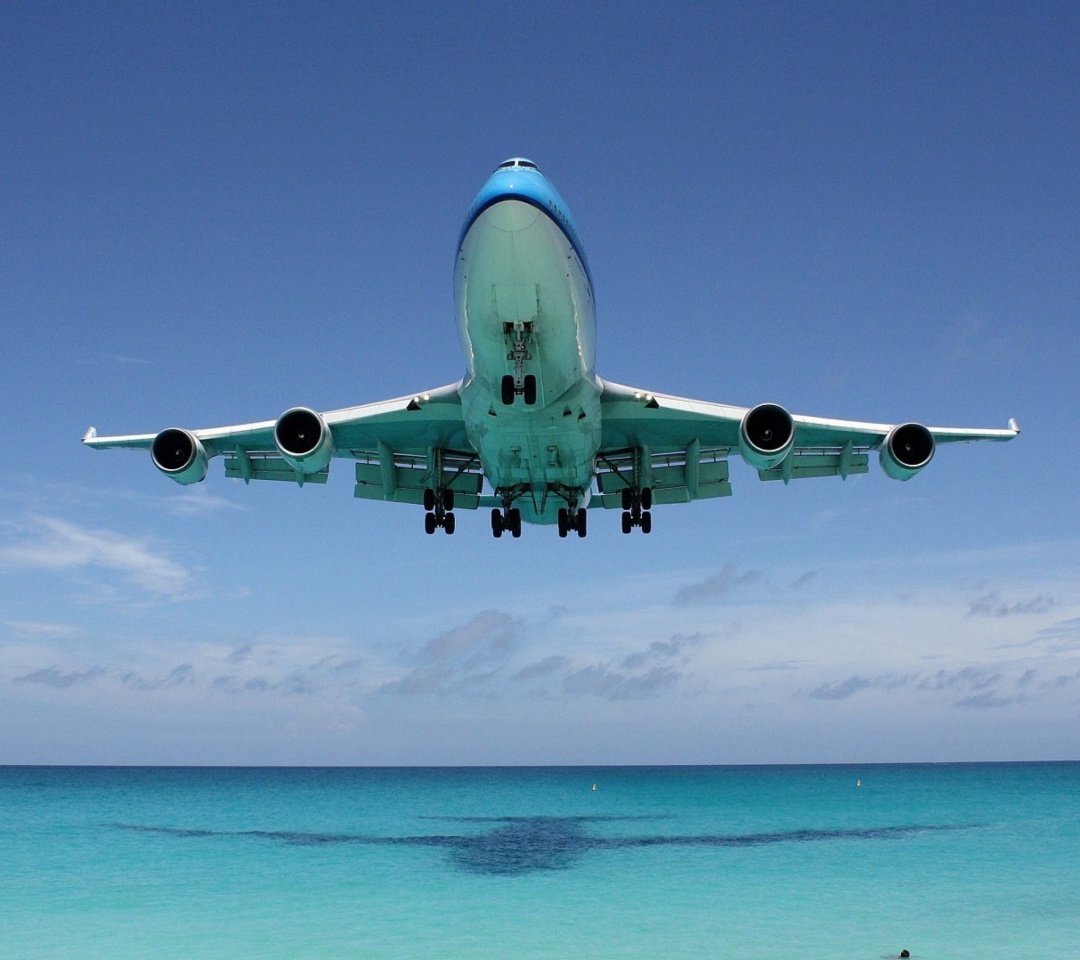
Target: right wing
{"points": [[401, 447]]}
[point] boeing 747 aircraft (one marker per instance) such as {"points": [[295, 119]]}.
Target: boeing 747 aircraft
{"points": [[531, 432]]}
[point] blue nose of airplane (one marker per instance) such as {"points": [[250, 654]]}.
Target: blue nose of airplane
{"points": [[514, 196]]}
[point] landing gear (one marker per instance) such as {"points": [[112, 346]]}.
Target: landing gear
{"points": [[510, 389], [636, 507], [575, 519], [519, 382], [439, 506], [508, 519]]}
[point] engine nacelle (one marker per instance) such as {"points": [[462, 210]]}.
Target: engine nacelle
{"points": [[303, 439], [766, 436], [179, 454], [906, 450]]}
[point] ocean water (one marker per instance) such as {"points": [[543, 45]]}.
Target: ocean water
{"points": [[946, 861]]}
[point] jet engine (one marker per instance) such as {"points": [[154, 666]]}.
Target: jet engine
{"points": [[303, 439], [179, 454], [906, 450], [766, 436]]}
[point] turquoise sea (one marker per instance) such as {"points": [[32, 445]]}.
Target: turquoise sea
{"points": [[946, 861]]}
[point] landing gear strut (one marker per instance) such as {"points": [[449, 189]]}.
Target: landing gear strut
{"points": [[637, 505], [519, 382]]}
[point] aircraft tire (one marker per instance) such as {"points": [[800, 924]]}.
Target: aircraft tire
{"points": [[627, 522], [564, 522], [507, 390], [448, 498], [514, 518], [646, 522], [582, 523], [496, 523], [429, 523], [429, 499], [449, 524], [646, 498], [530, 389]]}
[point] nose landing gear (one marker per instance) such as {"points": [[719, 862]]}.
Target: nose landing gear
{"points": [[519, 382]]}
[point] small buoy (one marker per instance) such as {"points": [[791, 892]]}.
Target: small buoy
{"points": [[858, 783], [904, 954], [594, 786]]}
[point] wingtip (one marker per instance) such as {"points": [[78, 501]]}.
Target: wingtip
{"points": [[1013, 425], [90, 434]]}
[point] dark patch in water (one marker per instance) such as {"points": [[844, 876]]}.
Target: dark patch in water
{"points": [[520, 845]]}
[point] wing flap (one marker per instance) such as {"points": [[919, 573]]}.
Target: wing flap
{"points": [[799, 466], [384, 474], [258, 465]]}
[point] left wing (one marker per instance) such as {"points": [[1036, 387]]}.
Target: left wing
{"points": [[401, 447], [679, 448]]}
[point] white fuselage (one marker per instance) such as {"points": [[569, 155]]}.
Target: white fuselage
{"points": [[520, 272]]}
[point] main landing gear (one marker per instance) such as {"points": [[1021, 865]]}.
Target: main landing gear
{"points": [[439, 506], [574, 518], [508, 519], [637, 505]]}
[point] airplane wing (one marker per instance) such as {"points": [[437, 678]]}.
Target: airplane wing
{"points": [[679, 447], [401, 448]]}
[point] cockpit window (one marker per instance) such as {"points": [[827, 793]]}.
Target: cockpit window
{"points": [[517, 162]]}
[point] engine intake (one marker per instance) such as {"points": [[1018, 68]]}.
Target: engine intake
{"points": [[766, 436], [303, 439], [179, 454], [906, 450]]}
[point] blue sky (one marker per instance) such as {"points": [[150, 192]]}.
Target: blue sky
{"points": [[211, 213]]}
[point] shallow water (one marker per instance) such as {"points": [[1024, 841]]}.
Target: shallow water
{"points": [[950, 861]]}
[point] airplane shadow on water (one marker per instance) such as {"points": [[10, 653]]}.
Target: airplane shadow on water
{"points": [[515, 846]]}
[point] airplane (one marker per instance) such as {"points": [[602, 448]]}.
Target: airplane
{"points": [[531, 419]]}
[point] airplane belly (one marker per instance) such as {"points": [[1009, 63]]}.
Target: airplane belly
{"points": [[516, 270]]}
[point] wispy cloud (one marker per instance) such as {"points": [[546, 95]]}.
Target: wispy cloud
{"points": [[716, 587], [40, 628], [542, 668], [991, 605], [48, 543], [55, 677], [977, 687], [198, 503], [599, 680], [840, 689], [462, 657], [182, 675]]}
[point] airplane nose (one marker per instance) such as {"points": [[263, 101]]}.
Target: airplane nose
{"points": [[512, 216]]}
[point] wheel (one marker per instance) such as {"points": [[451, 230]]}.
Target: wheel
{"points": [[429, 499], [448, 499], [449, 524], [513, 517], [496, 523], [564, 522], [507, 390], [429, 523], [646, 522], [530, 389], [582, 523], [627, 498], [646, 498], [627, 522]]}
